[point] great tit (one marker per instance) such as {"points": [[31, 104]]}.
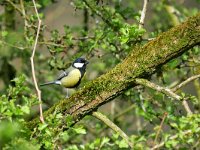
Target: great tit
{"points": [[71, 78]]}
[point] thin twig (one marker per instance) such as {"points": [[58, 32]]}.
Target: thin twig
{"points": [[14, 46], [143, 14], [197, 89], [48, 42], [124, 111], [149, 39], [112, 109], [165, 91], [24, 16], [83, 38], [170, 138], [52, 44], [160, 127], [121, 114], [113, 126], [32, 63], [97, 12], [17, 8], [185, 82], [173, 14]]}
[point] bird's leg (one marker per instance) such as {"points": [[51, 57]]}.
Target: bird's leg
{"points": [[67, 96], [65, 73]]}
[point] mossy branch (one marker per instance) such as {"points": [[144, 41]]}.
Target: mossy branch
{"points": [[141, 62]]}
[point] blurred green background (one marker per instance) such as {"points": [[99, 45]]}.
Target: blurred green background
{"points": [[104, 32]]}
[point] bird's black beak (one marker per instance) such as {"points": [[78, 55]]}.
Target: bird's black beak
{"points": [[87, 62]]}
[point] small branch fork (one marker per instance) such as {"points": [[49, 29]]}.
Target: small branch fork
{"points": [[165, 91], [170, 93], [32, 63], [192, 78], [143, 14], [113, 126], [160, 127], [171, 138], [21, 11]]}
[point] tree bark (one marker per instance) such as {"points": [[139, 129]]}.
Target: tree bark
{"points": [[143, 61]]}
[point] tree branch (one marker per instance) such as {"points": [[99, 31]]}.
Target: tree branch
{"points": [[18, 9], [171, 138], [113, 126], [24, 16], [160, 127], [141, 62], [166, 91], [185, 82], [143, 14]]}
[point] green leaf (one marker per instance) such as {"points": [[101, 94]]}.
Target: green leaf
{"points": [[42, 126], [185, 57], [104, 141], [65, 136], [115, 135], [69, 120], [71, 147], [25, 109], [122, 144], [4, 33], [79, 130], [48, 132], [124, 39], [174, 125], [171, 143], [190, 140], [48, 144]]}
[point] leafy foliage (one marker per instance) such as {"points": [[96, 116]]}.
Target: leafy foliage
{"points": [[14, 108], [106, 36]]}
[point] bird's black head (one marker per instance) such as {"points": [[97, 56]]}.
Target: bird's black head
{"points": [[80, 63]]}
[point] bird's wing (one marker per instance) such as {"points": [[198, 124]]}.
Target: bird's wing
{"points": [[65, 73]]}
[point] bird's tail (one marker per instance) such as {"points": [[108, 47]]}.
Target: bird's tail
{"points": [[52, 82]]}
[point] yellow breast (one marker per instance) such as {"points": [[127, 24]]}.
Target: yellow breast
{"points": [[72, 79]]}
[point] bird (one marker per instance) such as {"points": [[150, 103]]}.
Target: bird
{"points": [[71, 78]]}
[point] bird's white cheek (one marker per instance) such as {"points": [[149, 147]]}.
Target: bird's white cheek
{"points": [[78, 65]]}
